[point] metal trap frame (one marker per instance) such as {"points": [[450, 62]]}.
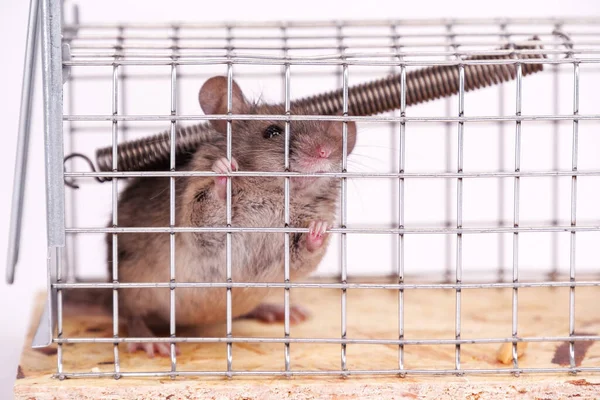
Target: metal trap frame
{"points": [[65, 45]]}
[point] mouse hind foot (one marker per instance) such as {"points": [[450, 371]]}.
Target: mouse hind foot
{"points": [[272, 313], [137, 327]]}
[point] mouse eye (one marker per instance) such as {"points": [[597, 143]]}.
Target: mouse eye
{"points": [[272, 131]]}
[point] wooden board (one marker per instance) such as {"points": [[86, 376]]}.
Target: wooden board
{"points": [[372, 314]]}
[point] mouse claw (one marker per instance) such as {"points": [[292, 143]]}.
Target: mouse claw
{"points": [[271, 313], [162, 349], [223, 166], [316, 235]]}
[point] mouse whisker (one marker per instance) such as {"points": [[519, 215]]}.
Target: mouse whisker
{"points": [[358, 193], [368, 157], [365, 167], [374, 146]]}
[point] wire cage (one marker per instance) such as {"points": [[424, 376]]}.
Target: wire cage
{"points": [[470, 186]]}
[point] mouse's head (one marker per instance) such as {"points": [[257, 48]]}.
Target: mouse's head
{"points": [[315, 146]]}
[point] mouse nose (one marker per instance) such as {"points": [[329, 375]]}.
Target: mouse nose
{"points": [[324, 152]]}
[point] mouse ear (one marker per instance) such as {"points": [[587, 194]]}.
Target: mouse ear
{"points": [[336, 129], [213, 100]]}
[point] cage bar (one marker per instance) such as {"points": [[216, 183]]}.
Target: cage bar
{"points": [[459, 210], [555, 157], [362, 61], [275, 373], [343, 195], [450, 46], [342, 231], [501, 167], [115, 214], [228, 205], [572, 263], [400, 237], [516, 204], [286, 193], [172, 205], [390, 286], [337, 341]]}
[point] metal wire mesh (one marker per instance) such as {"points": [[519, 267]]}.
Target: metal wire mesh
{"points": [[383, 45], [366, 99]]}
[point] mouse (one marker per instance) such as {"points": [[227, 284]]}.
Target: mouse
{"points": [[201, 201]]}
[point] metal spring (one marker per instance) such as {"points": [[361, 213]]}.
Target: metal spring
{"points": [[421, 86], [153, 153], [375, 97]]}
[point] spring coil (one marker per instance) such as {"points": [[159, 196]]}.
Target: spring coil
{"points": [[427, 84], [421, 86], [154, 152]]}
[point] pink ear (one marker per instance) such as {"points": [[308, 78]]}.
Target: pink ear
{"points": [[336, 129], [213, 100]]}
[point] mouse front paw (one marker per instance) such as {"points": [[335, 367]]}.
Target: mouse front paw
{"points": [[316, 235], [223, 166]]}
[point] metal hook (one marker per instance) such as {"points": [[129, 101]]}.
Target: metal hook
{"points": [[568, 43], [71, 183]]}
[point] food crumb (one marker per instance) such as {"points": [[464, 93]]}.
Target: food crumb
{"points": [[504, 353]]}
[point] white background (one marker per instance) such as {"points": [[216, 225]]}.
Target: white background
{"points": [[16, 300]]}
